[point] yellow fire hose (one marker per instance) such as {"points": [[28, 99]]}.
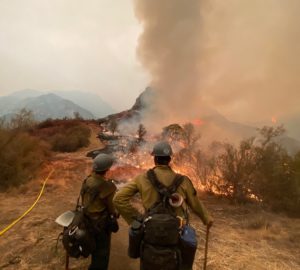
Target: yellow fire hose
{"points": [[27, 211]]}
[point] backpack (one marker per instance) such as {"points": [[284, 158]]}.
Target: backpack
{"points": [[160, 246], [78, 238]]}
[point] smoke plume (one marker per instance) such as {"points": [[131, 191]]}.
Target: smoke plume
{"points": [[169, 50], [240, 57]]}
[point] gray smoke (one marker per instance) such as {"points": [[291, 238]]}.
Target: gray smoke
{"points": [[241, 57], [169, 50]]}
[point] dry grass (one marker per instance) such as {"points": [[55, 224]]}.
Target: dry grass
{"points": [[248, 238], [256, 222], [242, 237], [20, 156]]}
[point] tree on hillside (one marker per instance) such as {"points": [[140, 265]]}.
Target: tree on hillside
{"points": [[173, 132], [191, 137], [269, 133], [113, 126], [141, 132], [23, 120], [77, 116], [233, 169], [275, 181], [260, 168], [189, 156]]}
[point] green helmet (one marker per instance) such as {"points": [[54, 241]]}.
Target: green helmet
{"points": [[162, 149], [102, 162]]}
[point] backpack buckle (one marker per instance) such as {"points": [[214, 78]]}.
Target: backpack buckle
{"points": [[181, 222], [73, 230], [147, 219]]}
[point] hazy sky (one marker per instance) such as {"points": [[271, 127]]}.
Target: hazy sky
{"points": [[71, 45], [247, 65]]}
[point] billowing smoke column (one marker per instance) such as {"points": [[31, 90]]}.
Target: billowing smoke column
{"points": [[245, 54], [169, 49]]}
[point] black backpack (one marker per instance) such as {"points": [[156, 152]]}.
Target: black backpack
{"points": [[78, 238], [160, 246]]}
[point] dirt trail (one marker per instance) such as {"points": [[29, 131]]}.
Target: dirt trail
{"points": [[31, 243], [242, 238]]}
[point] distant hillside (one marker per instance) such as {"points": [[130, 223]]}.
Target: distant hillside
{"points": [[26, 93], [42, 106], [89, 101], [135, 112], [211, 120], [10, 104], [212, 125]]}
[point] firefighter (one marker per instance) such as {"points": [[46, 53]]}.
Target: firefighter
{"points": [[98, 193], [162, 153]]}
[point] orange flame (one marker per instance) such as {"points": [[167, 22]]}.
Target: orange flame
{"points": [[198, 122], [274, 120]]}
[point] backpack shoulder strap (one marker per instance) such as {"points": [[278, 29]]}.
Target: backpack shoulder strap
{"points": [[108, 188], [159, 187], [81, 193], [176, 183], [162, 189], [94, 192]]}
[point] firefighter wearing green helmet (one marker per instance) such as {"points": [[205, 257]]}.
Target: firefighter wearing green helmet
{"points": [[159, 187], [97, 196]]}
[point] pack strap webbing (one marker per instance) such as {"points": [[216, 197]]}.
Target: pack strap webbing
{"points": [[163, 190], [94, 192]]}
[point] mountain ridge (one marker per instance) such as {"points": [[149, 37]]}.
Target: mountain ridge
{"points": [[88, 105], [43, 107]]}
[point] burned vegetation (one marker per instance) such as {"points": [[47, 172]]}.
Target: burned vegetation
{"points": [[257, 170]]}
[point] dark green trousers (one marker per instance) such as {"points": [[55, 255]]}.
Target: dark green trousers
{"points": [[100, 257]]}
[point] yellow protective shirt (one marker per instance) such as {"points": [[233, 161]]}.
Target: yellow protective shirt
{"points": [[104, 200], [149, 195]]}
